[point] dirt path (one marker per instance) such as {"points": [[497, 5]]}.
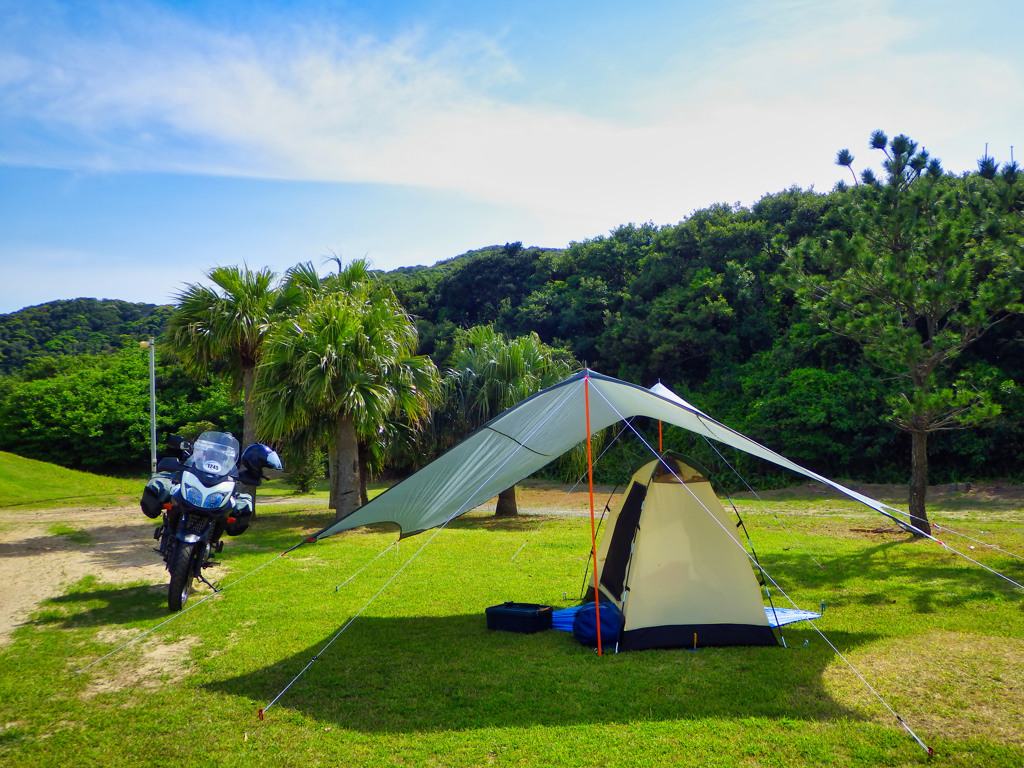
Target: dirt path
{"points": [[112, 543]]}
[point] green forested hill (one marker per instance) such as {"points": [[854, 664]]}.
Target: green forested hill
{"points": [[703, 306], [75, 327]]}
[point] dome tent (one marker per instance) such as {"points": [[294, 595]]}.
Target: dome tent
{"points": [[671, 563]]}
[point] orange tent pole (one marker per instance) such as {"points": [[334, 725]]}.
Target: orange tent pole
{"points": [[593, 530]]}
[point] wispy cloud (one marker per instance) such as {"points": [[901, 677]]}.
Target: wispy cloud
{"points": [[148, 90]]}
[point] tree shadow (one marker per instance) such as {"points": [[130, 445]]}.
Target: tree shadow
{"points": [[905, 569], [89, 605], [417, 674], [117, 546]]}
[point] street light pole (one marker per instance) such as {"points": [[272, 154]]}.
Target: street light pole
{"points": [[151, 346]]}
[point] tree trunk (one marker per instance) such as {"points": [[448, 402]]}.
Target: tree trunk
{"points": [[364, 476], [345, 480], [919, 481], [332, 471], [248, 423], [506, 506], [248, 407]]}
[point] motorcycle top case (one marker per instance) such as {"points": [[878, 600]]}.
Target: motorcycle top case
{"points": [[242, 515], [526, 618], [156, 493]]}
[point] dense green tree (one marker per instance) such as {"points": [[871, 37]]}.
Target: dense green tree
{"points": [[583, 286], [930, 262], [75, 327], [92, 411], [490, 373], [345, 363], [700, 298], [476, 288], [222, 329]]}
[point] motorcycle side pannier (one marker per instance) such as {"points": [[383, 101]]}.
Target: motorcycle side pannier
{"points": [[156, 493], [242, 516]]}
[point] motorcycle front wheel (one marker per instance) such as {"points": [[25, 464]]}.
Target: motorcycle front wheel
{"points": [[182, 575]]}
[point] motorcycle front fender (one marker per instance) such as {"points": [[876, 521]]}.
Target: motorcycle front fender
{"points": [[187, 537]]}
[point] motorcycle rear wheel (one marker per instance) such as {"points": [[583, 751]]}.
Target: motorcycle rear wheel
{"points": [[182, 576]]}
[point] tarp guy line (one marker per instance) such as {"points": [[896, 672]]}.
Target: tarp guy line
{"points": [[784, 594], [977, 541], [853, 668], [356, 616], [440, 528], [196, 604], [378, 557], [767, 506]]}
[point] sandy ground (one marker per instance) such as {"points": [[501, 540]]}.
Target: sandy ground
{"points": [[116, 545]]}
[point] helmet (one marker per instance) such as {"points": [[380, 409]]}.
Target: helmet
{"points": [[257, 456]]}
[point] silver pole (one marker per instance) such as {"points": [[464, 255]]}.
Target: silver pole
{"points": [[151, 345], [152, 404]]}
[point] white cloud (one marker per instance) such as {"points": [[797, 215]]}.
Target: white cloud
{"points": [[768, 107]]}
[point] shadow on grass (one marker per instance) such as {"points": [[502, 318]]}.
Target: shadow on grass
{"points": [[89, 604], [411, 674], [905, 570]]}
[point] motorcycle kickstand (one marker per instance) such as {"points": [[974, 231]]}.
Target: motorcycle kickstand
{"points": [[203, 579]]}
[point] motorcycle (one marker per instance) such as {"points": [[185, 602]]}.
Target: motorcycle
{"points": [[197, 497]]}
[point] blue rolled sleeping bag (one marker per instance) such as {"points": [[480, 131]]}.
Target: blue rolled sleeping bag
{"points": [[584, 624]]}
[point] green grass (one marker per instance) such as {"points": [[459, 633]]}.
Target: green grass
{"points": [[31, 484], [417, 679], [71, 534], [280, 488]]}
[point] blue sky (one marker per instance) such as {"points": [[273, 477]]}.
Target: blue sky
{"points": [[143, 143]]}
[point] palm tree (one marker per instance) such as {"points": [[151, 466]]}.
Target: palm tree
{"points": [[222, 329], [490, 373], [346, 366]]}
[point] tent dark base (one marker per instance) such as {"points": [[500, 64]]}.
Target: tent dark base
{"points": [[696, 636]]}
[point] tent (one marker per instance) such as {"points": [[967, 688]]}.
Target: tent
{"points": [[671, 563], [535, 432], [724, 607]]}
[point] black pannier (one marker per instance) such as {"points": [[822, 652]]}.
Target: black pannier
{"points": [[156, 493], [240, 517]]}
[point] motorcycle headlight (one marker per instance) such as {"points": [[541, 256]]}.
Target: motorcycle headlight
{"points": [[215, 500], [193, 496]]}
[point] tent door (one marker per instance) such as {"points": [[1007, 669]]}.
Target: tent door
{"points": [[613, 575]]}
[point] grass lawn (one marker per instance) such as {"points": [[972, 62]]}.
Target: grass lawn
{"points": [[417, 679], [30, 484]]}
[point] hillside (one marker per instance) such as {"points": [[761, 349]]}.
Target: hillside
{"points": [[75, 327], [27, 483]]}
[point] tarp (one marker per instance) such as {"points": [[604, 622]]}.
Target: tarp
{"points": [[535, 432]]}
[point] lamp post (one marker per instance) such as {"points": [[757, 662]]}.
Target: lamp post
{"points": [[151, 346]]}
